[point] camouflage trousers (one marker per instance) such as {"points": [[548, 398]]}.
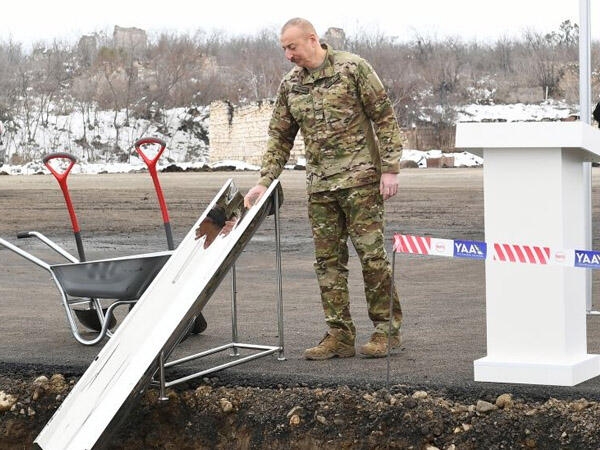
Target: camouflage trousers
{"points": [[358, 214]]}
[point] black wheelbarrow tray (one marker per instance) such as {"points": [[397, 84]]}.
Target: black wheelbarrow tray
{"points": [[122, 279]]}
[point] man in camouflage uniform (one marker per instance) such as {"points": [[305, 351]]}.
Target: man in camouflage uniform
{"points": [[353, 146]]}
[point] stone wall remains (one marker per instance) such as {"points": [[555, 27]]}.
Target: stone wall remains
{"points": [[240, 133]]}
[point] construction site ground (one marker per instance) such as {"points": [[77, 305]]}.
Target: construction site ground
{"points": [[423, 396]]}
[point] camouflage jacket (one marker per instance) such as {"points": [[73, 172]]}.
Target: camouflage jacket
{"points": [[346, 118]]}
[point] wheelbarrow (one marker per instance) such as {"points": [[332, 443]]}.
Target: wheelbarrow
{"points": [[80, 284], [83, 283]]}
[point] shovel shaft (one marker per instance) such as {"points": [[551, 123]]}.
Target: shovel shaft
{"points": [[61, 177], [151, 163]]}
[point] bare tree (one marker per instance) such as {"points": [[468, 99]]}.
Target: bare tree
{"points": [[547, 70], [426, 78], [172, 64], [255, 64], [118, 88]]}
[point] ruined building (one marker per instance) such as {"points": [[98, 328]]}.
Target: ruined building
{"points": [[133, 40]]}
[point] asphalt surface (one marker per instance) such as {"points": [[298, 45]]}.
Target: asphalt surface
{"points": [[443, 299]]}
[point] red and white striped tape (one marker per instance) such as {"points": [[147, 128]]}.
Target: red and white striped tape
{"points": [[405, 243], [514, 253], [521, 253]]}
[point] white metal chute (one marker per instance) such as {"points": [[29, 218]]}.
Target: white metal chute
{"points": [[129, 360]]}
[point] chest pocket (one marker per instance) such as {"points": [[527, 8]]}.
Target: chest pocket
{"points": [[340, 102], [301, 103]]}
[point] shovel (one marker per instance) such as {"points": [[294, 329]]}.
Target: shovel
{"points": [[88, 317], [199, 323], [151, 164], [61, 177]]}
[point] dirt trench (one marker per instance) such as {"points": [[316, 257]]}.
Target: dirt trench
{"points": [[212, 415]]}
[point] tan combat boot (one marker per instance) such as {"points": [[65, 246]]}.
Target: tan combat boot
{"points": [[330, 347], [378, 345]]}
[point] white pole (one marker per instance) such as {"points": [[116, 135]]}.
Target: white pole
{"points": [[585, 99], [585, 102]]}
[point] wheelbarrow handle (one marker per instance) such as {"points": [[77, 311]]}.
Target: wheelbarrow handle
{"points": [[53, 245]]}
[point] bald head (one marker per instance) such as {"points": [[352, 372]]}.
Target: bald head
{"points": [[300, 23], [300, 43]]}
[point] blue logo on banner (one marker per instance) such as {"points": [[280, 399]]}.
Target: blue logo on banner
{"points": [[470, 249], [585, 258]]}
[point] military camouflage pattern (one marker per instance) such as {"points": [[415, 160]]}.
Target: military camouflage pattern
{"points": [[346, 118], [351, 136], [357, 214]]}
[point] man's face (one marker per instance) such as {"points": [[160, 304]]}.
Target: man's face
{"points": [[298, 46]]}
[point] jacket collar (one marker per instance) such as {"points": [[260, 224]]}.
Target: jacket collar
{"points": [[326, 71]]}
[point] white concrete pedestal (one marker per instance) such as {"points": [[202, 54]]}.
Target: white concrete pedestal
{"points": [[534, 194]]}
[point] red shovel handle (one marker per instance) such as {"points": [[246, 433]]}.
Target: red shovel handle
{"points": [[61, 177], [151, 163]]}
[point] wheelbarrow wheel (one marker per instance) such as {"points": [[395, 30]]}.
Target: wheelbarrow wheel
{"points": [[199, 324], [89, 318]]}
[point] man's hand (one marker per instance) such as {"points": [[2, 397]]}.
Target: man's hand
{"points": [[254, 195], [388, 186]]}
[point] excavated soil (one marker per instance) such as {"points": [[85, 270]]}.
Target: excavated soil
{"points": [[212, 415]]}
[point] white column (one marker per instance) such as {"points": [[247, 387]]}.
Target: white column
{"points": [[533, 191]]}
